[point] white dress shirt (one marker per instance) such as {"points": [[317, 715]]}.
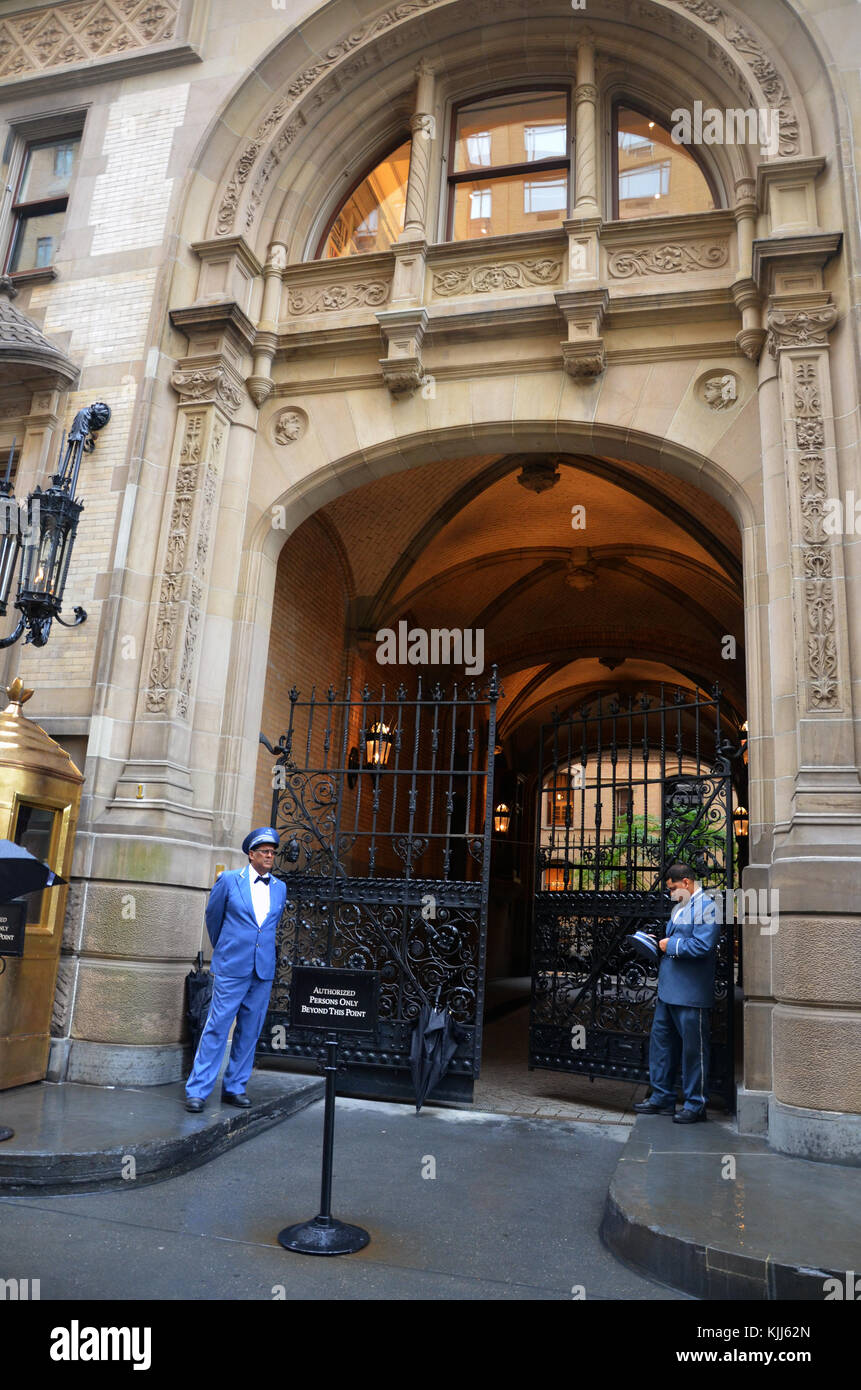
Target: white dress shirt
{"points": [[259, 897]]}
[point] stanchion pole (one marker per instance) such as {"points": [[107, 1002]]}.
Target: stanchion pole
{"points": [[325, 1235]]}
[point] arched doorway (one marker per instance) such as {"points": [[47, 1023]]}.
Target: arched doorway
{"points": [[580, 577]]}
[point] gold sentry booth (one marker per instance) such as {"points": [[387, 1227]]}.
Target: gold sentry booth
{"points": [[40, 793]]}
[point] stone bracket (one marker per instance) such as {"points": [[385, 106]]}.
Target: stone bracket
{"points": [[583, 354], [403, 332]]}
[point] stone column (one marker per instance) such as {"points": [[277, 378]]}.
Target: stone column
{"points": [[423, 127], [585, 140]]}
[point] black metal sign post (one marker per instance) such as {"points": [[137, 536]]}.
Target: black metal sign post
{"points": [[13, 923], [337, 1001]]}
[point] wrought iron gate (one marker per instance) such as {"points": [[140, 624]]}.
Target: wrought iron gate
{"points": [[383, 806], [623, 791]]}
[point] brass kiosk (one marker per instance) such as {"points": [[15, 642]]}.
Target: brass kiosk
{"points": [[40, 793]]}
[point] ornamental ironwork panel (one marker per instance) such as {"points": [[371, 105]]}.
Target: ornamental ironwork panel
{"points": [[625, 788], [383, 807]]}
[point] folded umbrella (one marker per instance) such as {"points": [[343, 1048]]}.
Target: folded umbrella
{"points": [[21, 872], [436, 1038], [199, 985]]}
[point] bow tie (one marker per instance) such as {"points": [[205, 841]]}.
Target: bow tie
{"points": [[262, 878]]}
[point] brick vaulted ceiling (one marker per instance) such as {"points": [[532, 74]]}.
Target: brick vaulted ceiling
{"points": [[646, 592]]}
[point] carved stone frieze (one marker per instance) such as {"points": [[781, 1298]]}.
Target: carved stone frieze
{"points": [[204, 384], [182, 588], [332, 298], [672, 258], [807, 431], [35, 41], [502, 275]]}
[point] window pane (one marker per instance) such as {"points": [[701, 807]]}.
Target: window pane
{"points": [[373, 216], [33, 831], [511, 130], [48, 170], [497, 207], [36, 241], [656, 175]]}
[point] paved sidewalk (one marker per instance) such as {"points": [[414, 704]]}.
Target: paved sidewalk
{"points": [[512, 1213]]}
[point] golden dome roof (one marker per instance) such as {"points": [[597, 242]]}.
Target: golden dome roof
{"points": [[24, 744]]}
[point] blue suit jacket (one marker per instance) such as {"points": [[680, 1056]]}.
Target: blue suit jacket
{"points": [[242, 949], [687, 970]]}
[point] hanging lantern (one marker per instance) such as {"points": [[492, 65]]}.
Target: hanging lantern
{"points": [[378, 745], [501, 817], [46, 550], [740, 822]]}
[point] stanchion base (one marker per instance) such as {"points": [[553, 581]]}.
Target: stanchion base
{"points": [[6, 1133], [323, 1236]]}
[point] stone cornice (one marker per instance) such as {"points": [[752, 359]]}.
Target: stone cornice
{"points": [[807, 250], [223, 316], [783, 170], [215, 248]]}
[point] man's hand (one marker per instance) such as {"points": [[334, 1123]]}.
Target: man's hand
{"points": [[663, 944]]}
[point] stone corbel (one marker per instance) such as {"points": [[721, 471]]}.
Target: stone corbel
{"points": [[260, 384], [403, 332], [208, 383], [583, 354], [796, 326], [752, 335]]}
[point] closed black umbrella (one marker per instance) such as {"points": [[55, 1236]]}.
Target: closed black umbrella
{"points": [[21, 872], [435, 1040], [199, 985]]}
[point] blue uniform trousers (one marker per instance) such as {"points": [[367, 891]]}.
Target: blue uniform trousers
{"points": [[679, 1033], [247, 1001]]}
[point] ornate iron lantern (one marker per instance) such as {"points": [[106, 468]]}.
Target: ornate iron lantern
{"points": [[741, 822], [46, 550], [501, 817], [10, 537], [378, 745]]}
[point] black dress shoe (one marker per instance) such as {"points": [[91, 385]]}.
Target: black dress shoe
{"points": [[232, 1098], [194, 1104], [690, 1117], [648, 1107]]}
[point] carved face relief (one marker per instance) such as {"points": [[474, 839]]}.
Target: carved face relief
{"points": [[719, 390], [288, 426]]}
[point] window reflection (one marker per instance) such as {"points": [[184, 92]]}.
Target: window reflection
{"points": [[506, 137], [655, 175], [373, 216]]}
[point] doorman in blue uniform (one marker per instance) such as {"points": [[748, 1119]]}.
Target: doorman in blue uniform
{"points": [[681, 1026], [243, 911]]}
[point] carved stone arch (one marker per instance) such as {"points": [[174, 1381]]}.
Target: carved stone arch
{"points": [[301, 220], [393, 41]]}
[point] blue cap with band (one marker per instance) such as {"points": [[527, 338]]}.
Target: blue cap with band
{"points": [[266, 835]]}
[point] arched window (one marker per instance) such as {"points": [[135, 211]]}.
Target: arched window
{"points": [[652, 174], [510, 165], [373, 215]]}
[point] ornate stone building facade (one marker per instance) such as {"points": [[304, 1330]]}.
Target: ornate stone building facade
{"points": [[289, 425]]}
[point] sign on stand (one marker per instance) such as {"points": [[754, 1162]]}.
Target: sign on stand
{"points": [[333, 1001]]}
